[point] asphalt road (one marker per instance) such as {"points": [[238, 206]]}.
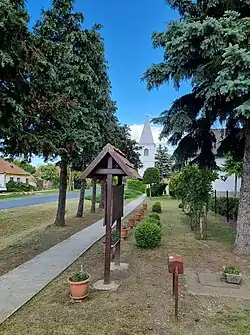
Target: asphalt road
{"points": [[36, 200]]}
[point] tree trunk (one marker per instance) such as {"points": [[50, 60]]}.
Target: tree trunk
{"points": [[242, 241], [92, 210], [101, 204], [235, 185], [150, 194], [80, 208], [60, 215]]}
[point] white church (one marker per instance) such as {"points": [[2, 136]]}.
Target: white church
{"points": [[148, 148]]}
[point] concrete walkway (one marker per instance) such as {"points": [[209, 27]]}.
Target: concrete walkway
{"points": [[21, 284]]}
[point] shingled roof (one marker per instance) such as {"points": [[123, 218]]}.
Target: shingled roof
{"points": [[101, 162]]}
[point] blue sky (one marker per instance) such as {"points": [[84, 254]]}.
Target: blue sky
{"points": [[128, 26]]}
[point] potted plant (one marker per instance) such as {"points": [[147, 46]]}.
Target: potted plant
{"points": [[145, 206], [131, 223], [138, 217], [79, 284], [232, 274], [115, 237], [124, 231]]}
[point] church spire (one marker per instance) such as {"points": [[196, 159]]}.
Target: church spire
{"points": [[146, 135]]}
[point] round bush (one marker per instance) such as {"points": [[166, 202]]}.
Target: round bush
{"points": [[155, 216], [152, 220], [148, 235], [156, 207]]}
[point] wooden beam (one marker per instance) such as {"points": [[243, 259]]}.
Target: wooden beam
{"points": [[115, 172]]}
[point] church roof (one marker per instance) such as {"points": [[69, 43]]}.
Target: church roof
{"points": [[146, 135]]}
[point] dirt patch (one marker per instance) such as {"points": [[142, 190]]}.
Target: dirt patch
{"points": [[143, 304]]}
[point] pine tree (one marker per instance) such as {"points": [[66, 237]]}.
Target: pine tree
{"points": [[163, 162], [208, 45]]}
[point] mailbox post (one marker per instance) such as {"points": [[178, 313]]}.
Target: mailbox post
{"points": [[175, 266]]}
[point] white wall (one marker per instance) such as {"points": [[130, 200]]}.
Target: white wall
{"points": [[147, 161], [22, 178], [2, 182], [227, 185]]}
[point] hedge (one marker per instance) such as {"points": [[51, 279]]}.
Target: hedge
{"points": [[156, 190], [13, 186], [136, 185]]}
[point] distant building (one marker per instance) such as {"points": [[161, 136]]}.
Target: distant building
{"points": [[222, 185], [148, 148], [11, 172]]}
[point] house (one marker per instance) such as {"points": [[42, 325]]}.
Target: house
{"points": [[11, 172], [148, 148]]}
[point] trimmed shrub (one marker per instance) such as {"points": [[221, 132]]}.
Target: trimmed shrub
{"points": [[148, 235], [156, 207], [153, 220], [136, 185], [155, 216]]}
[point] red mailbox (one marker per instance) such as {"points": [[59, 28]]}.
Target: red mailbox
{"points": [[173, 262]]}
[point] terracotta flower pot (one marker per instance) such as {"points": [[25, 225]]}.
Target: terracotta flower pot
{"points": [[131, 223], [124, 233], [79, 290], [138, 216], [145, 206]]}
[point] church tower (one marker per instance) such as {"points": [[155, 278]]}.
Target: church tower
{"points": [[148, 148]]}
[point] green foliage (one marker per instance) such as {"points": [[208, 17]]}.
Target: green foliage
{"points": [[156, 190], [136, 185], [155, 216], [148, 235], [157, 207], [232, 270], [163, 162], [151, 176], [131, 194], [89, 197], [79, 276], [193, 186], [153, 220], [174, 186], [221, 205], [25, 166], [50, 172], [180, 205], [233, 166], [115, 236], [13, 186]]}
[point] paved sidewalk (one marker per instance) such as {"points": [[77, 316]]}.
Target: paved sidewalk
{"points": [[21, 284]]}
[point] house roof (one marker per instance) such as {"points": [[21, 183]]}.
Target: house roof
{"points": [[101, 162], [10, 168], [146, 135]]}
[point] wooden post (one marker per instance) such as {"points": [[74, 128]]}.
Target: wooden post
{"points": [[108, 222], [118, 228], [227, 208], [215, 202], [176, 293], [93, 199]]}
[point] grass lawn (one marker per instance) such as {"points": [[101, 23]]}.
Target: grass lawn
{"points": [[143, 304], [27, 231]]}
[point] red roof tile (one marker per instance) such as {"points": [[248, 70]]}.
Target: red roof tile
{"points": [[10, 168]]}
